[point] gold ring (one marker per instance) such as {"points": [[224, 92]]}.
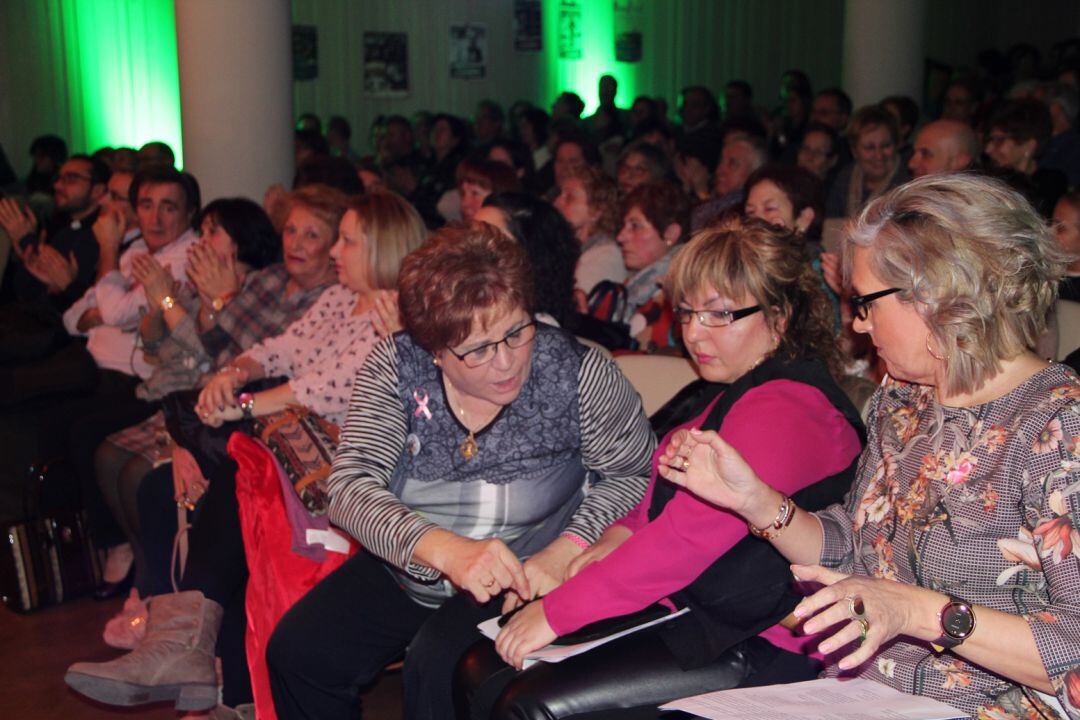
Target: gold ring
{"points": [[685, 464], [489, 583], [864, 627]]}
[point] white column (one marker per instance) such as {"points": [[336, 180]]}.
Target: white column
{"points": [[884, 49], [235, 61]]}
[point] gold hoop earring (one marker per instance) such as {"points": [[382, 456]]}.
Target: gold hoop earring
{"points": [[942, 358]]}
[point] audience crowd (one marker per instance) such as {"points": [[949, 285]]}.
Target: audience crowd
{"points": [[339, 428]]}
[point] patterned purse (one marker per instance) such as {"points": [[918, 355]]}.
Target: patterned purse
{"points": [[304, 444]]}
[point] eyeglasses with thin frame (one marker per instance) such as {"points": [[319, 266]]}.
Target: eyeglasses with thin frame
{"points": [[714, 318], [485, 353], [860, 304]]}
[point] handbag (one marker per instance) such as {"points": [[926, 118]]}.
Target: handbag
{"points": [[49, 556], [304, 444]]}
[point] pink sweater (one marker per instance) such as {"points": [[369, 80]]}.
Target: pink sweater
{"points": [[787, 431]]}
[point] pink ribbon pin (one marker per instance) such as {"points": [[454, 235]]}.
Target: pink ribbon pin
{"points": [[421, 397]]}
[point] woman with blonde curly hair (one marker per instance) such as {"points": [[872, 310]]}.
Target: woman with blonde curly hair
{"points": [[754, 318], [953, 568], [589, 201]]}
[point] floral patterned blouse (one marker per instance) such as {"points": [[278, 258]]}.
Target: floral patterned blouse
{"points": [[321, 352], [978, 503]]}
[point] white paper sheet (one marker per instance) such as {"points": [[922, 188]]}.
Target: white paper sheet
{"points": [[558, 653], [828, 699]]}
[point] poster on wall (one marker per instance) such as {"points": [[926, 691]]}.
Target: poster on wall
{"points": [[569, 30], [468, 51], [386, 64], [628, 47], [305, 52], [627, 15], [527, 25]]}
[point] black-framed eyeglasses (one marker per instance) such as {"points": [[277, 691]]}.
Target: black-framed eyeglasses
{"points": [[860, 304], [484, 354], [714, 318]]}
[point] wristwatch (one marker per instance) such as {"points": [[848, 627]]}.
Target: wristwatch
{"points": [[246, 401], [219, 303], [167, 303], [957, 620]]}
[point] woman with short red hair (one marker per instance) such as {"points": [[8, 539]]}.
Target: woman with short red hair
{"points": [[482, 452]]}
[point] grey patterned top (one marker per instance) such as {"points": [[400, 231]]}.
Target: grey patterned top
{"points": [[571, 452], [978, 503]]}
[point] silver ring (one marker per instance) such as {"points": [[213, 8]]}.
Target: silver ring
{"points": [[856, 615]]}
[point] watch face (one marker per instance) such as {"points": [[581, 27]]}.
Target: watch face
{"points": [[957, 620]]}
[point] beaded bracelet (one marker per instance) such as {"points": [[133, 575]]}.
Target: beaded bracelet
{"points": [[576, 539], [783, 518]]}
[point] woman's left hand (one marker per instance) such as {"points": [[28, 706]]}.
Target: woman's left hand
{"points": [[211, 275], [387, 316], [545, 571], [889, 608], [216, 418], [524, 633]]}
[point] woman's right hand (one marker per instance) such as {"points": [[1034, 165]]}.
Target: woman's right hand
{"points": [[483, 568], [612, 538], [703, 463], [220, 392], [832, 271], [189, 484]]}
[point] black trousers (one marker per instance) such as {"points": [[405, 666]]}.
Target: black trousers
{"points": [[157, 520], [216, 564], [217, 567], [625, 679], [338, 637]]}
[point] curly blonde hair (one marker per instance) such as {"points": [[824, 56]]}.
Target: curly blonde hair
{"points": [[976, 259], [740, 256]]}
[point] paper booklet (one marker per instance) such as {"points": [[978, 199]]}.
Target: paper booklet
{"points": [[828, 699], [558, 653]]}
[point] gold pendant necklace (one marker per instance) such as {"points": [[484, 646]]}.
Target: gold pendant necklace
{"points": [[468, 446]]}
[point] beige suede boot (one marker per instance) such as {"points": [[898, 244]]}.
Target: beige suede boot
{"points": [[175, 661]]}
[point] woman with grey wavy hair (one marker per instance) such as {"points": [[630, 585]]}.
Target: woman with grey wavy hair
{"points": [[953, 567]]}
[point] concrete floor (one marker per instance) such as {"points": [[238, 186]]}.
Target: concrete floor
{"points": [[37, 649]]}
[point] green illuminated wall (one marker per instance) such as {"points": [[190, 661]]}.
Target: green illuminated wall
{"points": [[597, 56], [117, 59]]}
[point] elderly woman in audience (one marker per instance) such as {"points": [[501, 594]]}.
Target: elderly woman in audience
{"points": [[478, 177], [589, 201], [655, 222], [820, 150], [639, 164], [788, 196], [876, 167], [320, 354], [210, 319], [482, 452], [952, 569], [550, 245], [754, 319], [1018, 132]]}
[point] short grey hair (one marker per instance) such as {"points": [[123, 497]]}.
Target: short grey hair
{"points": [[979, 264], [1064, 97]]}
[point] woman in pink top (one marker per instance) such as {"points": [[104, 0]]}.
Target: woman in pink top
{"points": [[753, 318]]}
